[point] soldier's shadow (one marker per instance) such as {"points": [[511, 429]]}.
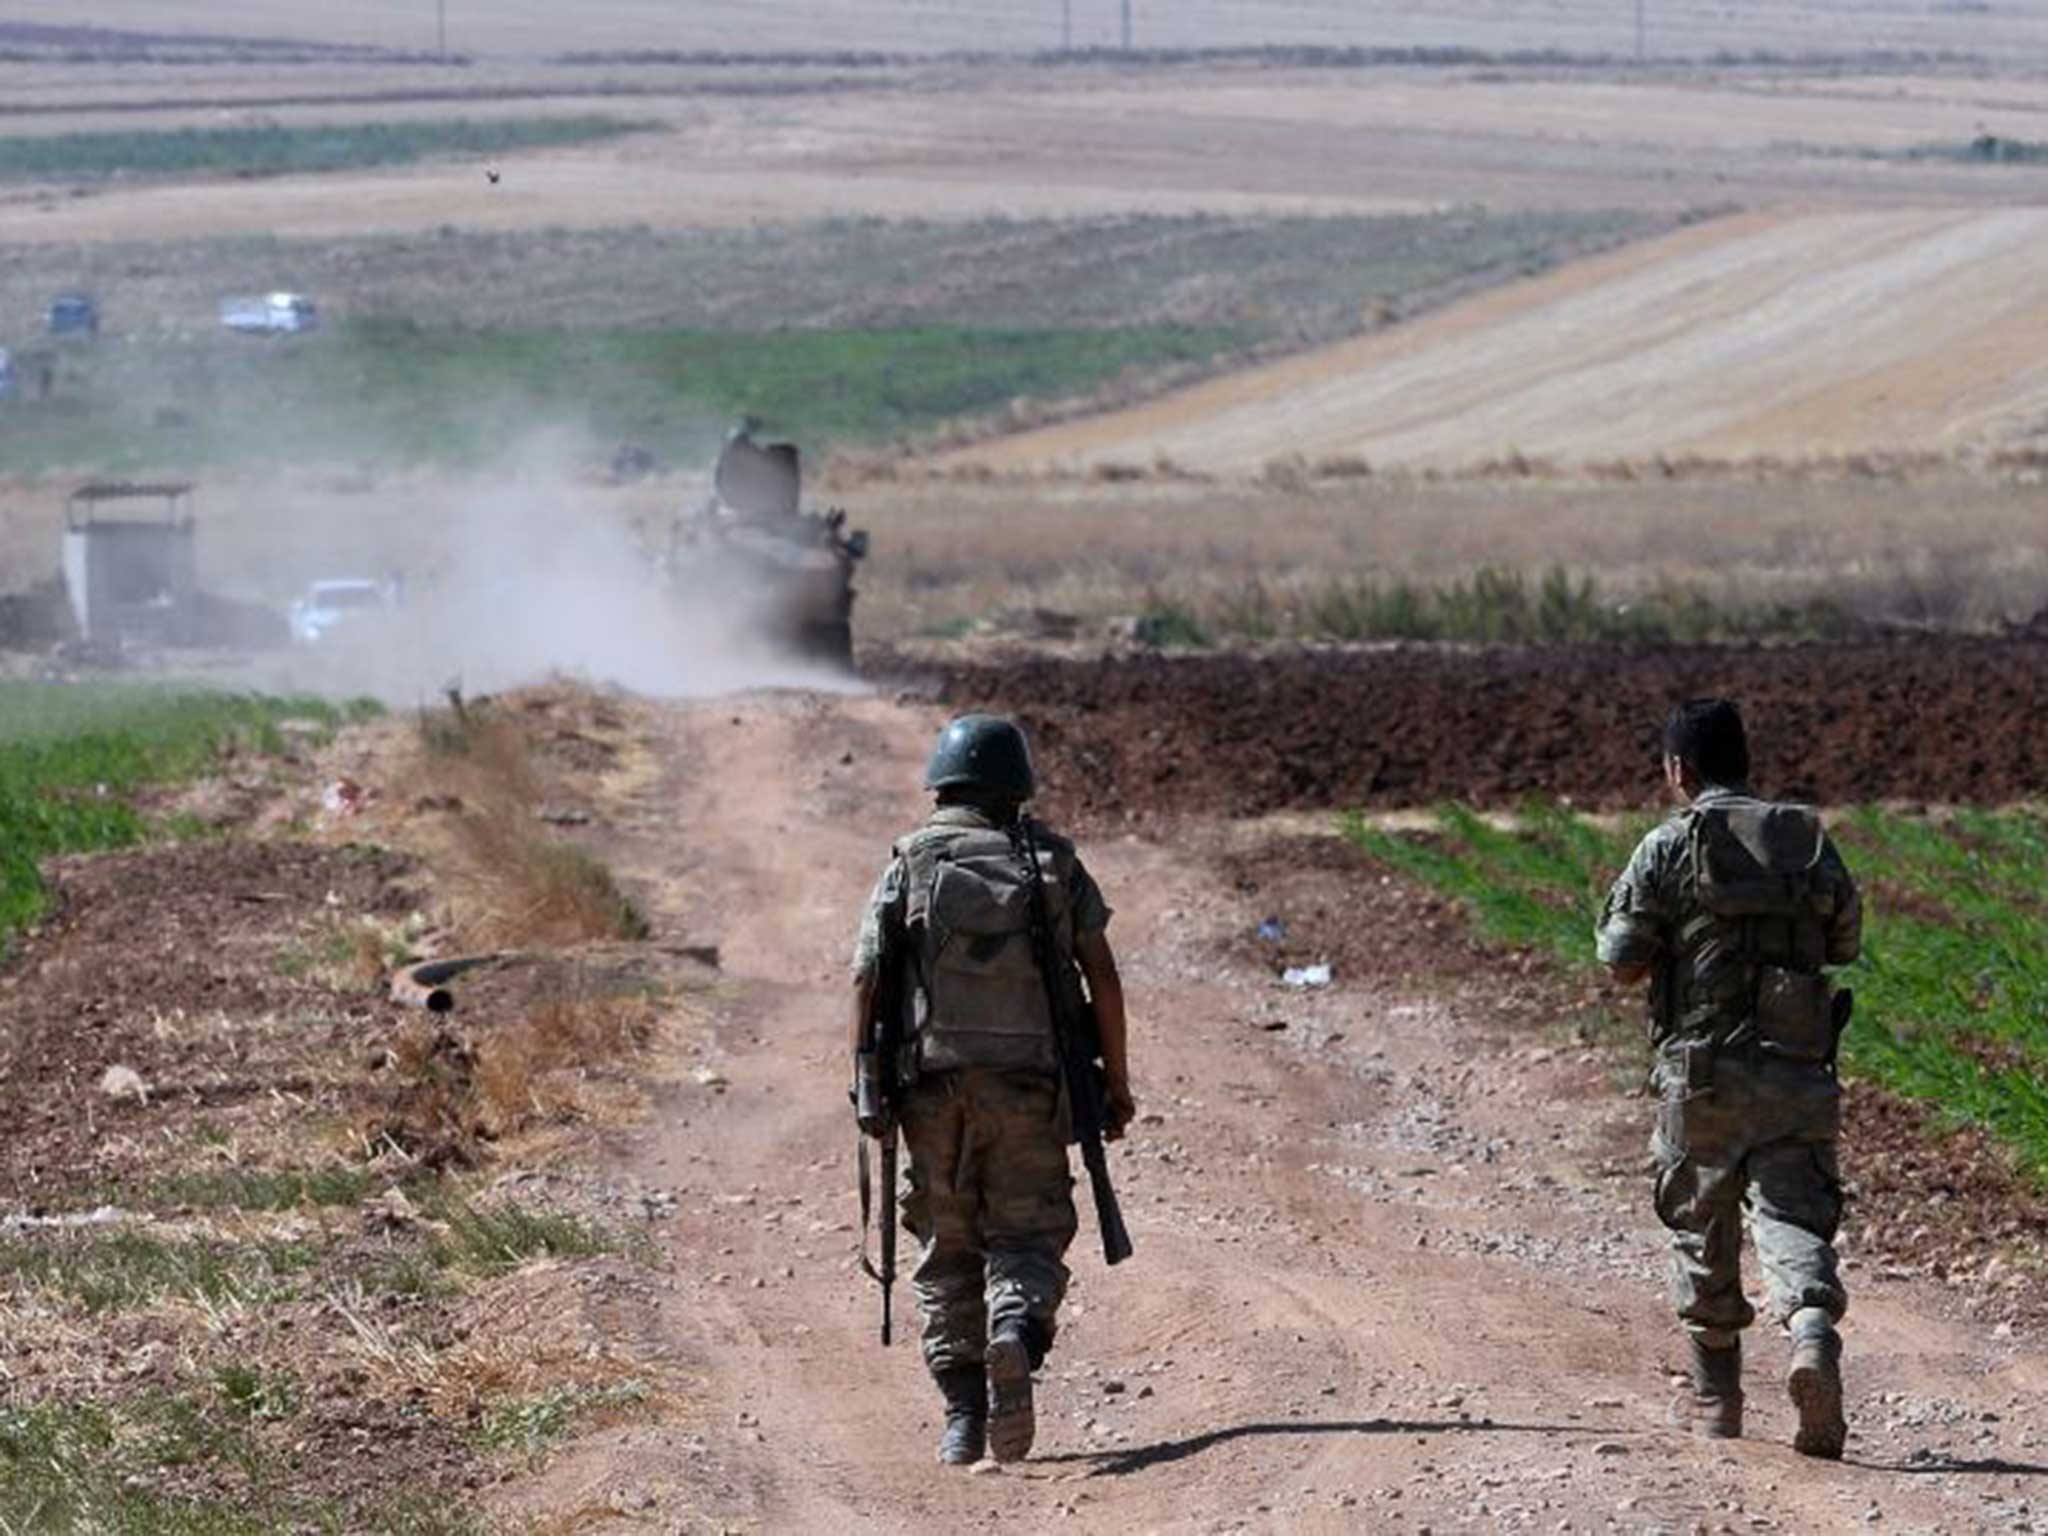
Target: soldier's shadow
{"points": [[1960, 1466], [1122, 1463]]}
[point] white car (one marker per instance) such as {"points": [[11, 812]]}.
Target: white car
{"points": [[270, 314], [326, 606]]}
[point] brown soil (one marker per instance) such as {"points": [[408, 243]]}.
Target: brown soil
{"points": [[1135, 738], [183, 964]]}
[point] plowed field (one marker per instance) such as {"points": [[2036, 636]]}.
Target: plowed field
{"points": [[1141, 737], [1767, 334]]}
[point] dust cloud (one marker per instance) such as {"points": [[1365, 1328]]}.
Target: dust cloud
{"points": [[537, 570]]}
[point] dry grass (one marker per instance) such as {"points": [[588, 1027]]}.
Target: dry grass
{"points": [[510, 880], [521, 1336], [352, 953], [516, 1090], [1947, 549], [537, 1072]]}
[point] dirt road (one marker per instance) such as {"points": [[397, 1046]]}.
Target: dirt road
{"points": [[1764, 334], [1394, 1271]]}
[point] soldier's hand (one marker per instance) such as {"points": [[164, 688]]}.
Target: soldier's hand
{"points": [[1119, 1112]]}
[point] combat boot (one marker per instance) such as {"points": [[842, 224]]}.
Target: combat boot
{"points": [[1711, 1407], [1815, 1382], [1011, 1426], [966, 1437]]}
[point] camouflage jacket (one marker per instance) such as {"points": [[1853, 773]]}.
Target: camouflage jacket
{"points": [[1700, 989], [889, 899]]}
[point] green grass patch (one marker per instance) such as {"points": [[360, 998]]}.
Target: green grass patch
{"points": [[495, 1240], [402, 395], [1984, 149], [84, 1468], [264, 1189], [1501, 606], [1172, 626], [1952, 989], [527, 1426], [276, 150], [256, 1393], [105, 1272], [70, 756]]}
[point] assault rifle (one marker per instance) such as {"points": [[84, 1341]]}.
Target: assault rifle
{"points": [[874, 1104], [1077, 1046]]}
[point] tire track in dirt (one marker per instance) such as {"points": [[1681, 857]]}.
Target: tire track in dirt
{"points": [[1789, 334], [1379, 1282]]}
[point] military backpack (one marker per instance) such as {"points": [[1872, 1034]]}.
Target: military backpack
{"points": [[979, 999], [1751, 956]]}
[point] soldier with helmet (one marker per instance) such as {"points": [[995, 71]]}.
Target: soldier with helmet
{"points": [[979, 1093], [1732, 910]]}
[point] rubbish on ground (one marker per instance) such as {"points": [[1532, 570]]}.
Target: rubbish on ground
{"points": [[1272, 931], [344, 797], [119, 1082], [1306, 976]]}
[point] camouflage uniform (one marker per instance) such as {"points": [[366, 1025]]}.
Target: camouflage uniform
{"points": [[987, 1194], [1736, 1127]]}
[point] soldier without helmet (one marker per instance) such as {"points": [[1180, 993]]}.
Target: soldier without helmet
{"points": [[981, 1103], [1732, 910]]}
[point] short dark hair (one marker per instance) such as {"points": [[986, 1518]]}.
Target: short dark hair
{"points": [[1707, 736]]}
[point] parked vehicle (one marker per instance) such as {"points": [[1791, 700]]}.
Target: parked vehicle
{"points": [[270, 314], [349, 603], [74, 314]]}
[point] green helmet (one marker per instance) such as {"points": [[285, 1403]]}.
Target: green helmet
{"points": [[983, 752]]}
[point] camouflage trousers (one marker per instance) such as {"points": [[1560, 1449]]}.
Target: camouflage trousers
{"points": [[1740, 1134], [991, 1203]]}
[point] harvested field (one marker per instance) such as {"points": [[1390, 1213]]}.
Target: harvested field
{"points": [[1578, 26], [1759, 334], [1147, 737], [968, 141]]}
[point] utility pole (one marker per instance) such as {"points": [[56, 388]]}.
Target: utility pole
{"points": [[1127, 26], [1066, 26], [1642, 50], [441, 28]]}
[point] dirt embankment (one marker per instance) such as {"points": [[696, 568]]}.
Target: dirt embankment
{"points": [[1146, 736]]}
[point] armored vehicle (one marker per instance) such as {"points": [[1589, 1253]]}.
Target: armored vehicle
{"points": [[752, 545]]}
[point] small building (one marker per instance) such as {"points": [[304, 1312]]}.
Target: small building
{"points": [[130, 577]]}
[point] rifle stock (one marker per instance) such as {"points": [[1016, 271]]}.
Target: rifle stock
{"points": [[1077, 1065]]}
